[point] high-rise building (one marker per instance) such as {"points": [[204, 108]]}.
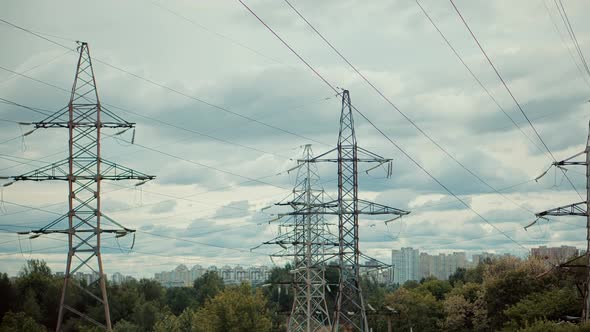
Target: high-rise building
{"points": [[442, 265], [117, 278], [406, 265], [555, 255], [374, 272]]}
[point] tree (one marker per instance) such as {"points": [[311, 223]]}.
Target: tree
{"points": [[180, 298], [552, 305], [168, 323], [207, 286], [548, 326], [438, 288], [126, 326], [9, 297], [509, 280], [20, 322], [235, 309], [145, 315], [464, 315], [279, 294], [417, 310], [39, 292], [122, 299], [151, 290], [374, 295]]}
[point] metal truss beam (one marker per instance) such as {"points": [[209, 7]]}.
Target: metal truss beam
{"points": [[350, 313], [577, 209], [84, 170]]}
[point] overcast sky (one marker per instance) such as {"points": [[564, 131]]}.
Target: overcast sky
{"points": [[216, 51]]}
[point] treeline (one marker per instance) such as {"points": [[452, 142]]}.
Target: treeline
{"points": [[500, 295]]}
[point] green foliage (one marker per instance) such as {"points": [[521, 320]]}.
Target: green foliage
{"points": [[279, 295], [9, 295], [438, 288], [178, 299], [236, 309], [552, 305], [39, 292], [463, 275], [151, 290], [207, 286], [125, 326], [416, 309], [464, 313], [168, 323], [410, 284], [145, 315], [20, 322], [508, 281], [505, 294], [549, 326]]}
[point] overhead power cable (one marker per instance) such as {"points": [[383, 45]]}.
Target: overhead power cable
{"points": [[566, 20], [379, 130], [511, 94], [475, 76], [433, 141], [150, 81], [219, 35], [565, 45]]}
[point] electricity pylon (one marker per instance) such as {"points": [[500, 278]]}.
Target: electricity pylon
{"points": [[308, 241], [84, 170], [577, 209], [350, 312]]}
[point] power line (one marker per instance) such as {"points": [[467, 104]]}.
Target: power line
{"points": [[433, 141], [475, 76], [37, 66], [221, 36], [570, 30], [510, 93], [198, 99], [379, 130], [584, 78]]}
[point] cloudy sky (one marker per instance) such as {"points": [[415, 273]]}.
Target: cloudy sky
{"points": [[217, 167]]}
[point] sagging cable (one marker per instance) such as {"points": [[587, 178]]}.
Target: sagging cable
{"points": [[543, 174], [534, 222]]}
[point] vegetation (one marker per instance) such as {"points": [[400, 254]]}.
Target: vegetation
{"points": [[501, 295]]}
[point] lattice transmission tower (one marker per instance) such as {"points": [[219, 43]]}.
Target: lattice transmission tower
{"points": [[84, 170], [308, 243], [350, 313], [577, 209]]}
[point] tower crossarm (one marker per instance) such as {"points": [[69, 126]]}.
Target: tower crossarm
{"points": [[576, 209], [82, 225], [59, 171], [569, 161], [366, 207]]}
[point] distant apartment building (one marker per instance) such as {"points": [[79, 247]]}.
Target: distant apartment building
{"points": [[555, 255], [118, 278], [88, 278], [181, 276], [377, 272], [442, 265], [406, 265]]}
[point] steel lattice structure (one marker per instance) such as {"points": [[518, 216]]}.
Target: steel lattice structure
{"points": [[350, 313], [577, 209], [84, 170], [308, 242]]}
